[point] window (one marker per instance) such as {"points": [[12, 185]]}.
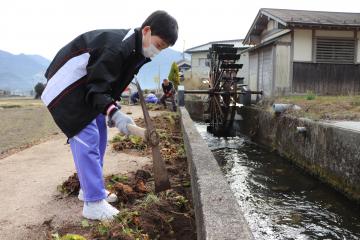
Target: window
{"points": [[330, 50]]}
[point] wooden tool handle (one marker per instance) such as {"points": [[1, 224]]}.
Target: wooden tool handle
{"points": [[137, 131]]}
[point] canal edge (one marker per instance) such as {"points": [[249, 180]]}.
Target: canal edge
{"points": [[328, 152], [217, 213]]}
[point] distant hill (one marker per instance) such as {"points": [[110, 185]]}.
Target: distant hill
{"points": [[161, 63], [21, 72], [40, 59]]}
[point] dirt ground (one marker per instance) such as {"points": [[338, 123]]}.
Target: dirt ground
{"points": [[144, 214], [24, 122], [30, 202]]}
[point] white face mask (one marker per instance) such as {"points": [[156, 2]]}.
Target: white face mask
{"points": [[151, 51]]}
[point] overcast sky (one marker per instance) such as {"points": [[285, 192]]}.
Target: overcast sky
{"points": [[44, 26]]}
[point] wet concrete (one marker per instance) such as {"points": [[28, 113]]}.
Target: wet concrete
{"points": [[350, 125]]}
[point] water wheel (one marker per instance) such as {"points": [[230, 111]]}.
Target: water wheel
{"points": [[223, 83]]}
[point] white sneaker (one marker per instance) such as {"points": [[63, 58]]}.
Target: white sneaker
{"points": [[110, 197], [99, 210]]}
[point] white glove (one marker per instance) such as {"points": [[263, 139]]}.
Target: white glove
{"points": [[120, 120]]}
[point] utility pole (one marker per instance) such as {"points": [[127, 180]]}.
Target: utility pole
{"points": [[159, 79], [183, 53]]}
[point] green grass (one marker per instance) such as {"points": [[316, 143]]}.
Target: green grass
{"points": [[310, 95]]}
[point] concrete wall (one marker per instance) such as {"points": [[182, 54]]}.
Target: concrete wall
{"points": [[328, 152], [195, 109], [302, 45], [217, 213]]}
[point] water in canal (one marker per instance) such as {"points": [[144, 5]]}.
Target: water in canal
{"points": [[278, 199]]}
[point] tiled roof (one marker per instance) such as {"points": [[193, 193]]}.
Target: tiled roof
{"points": [[303, 18], [288, 16], [205, 47]]}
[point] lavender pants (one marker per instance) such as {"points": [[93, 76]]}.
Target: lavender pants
{"points": [[88, 149]]}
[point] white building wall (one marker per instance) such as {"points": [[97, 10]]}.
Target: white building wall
{"points": [[286, 38], [253, 70], [266, 70], [244, 71], [199, 71], [270, 25], [274, 34], [282, 70], [302, 45]]}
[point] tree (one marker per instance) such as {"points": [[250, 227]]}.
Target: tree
{"points": [[39, 88], [174, 75]]}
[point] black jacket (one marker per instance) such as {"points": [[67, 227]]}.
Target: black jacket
{"points": [[89, 74], [168, 89]]}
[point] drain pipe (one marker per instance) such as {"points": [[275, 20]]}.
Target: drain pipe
{"points": [[301, 130], [281, 107]]}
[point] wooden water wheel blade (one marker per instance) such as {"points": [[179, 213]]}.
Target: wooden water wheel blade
{"points": [[216, 112], [238, 80], [214, 45], [223, 92], [240, 86], [229, 56], [231, 66], [212, 111], [223, 49], [217, 106]]}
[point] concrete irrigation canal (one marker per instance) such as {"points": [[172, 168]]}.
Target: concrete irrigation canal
{"points": [[243, 190]]}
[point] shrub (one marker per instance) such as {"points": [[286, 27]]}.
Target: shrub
{"points": [[310, 95]]}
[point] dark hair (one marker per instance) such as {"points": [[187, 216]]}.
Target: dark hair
{"points": [[162, 25]]}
